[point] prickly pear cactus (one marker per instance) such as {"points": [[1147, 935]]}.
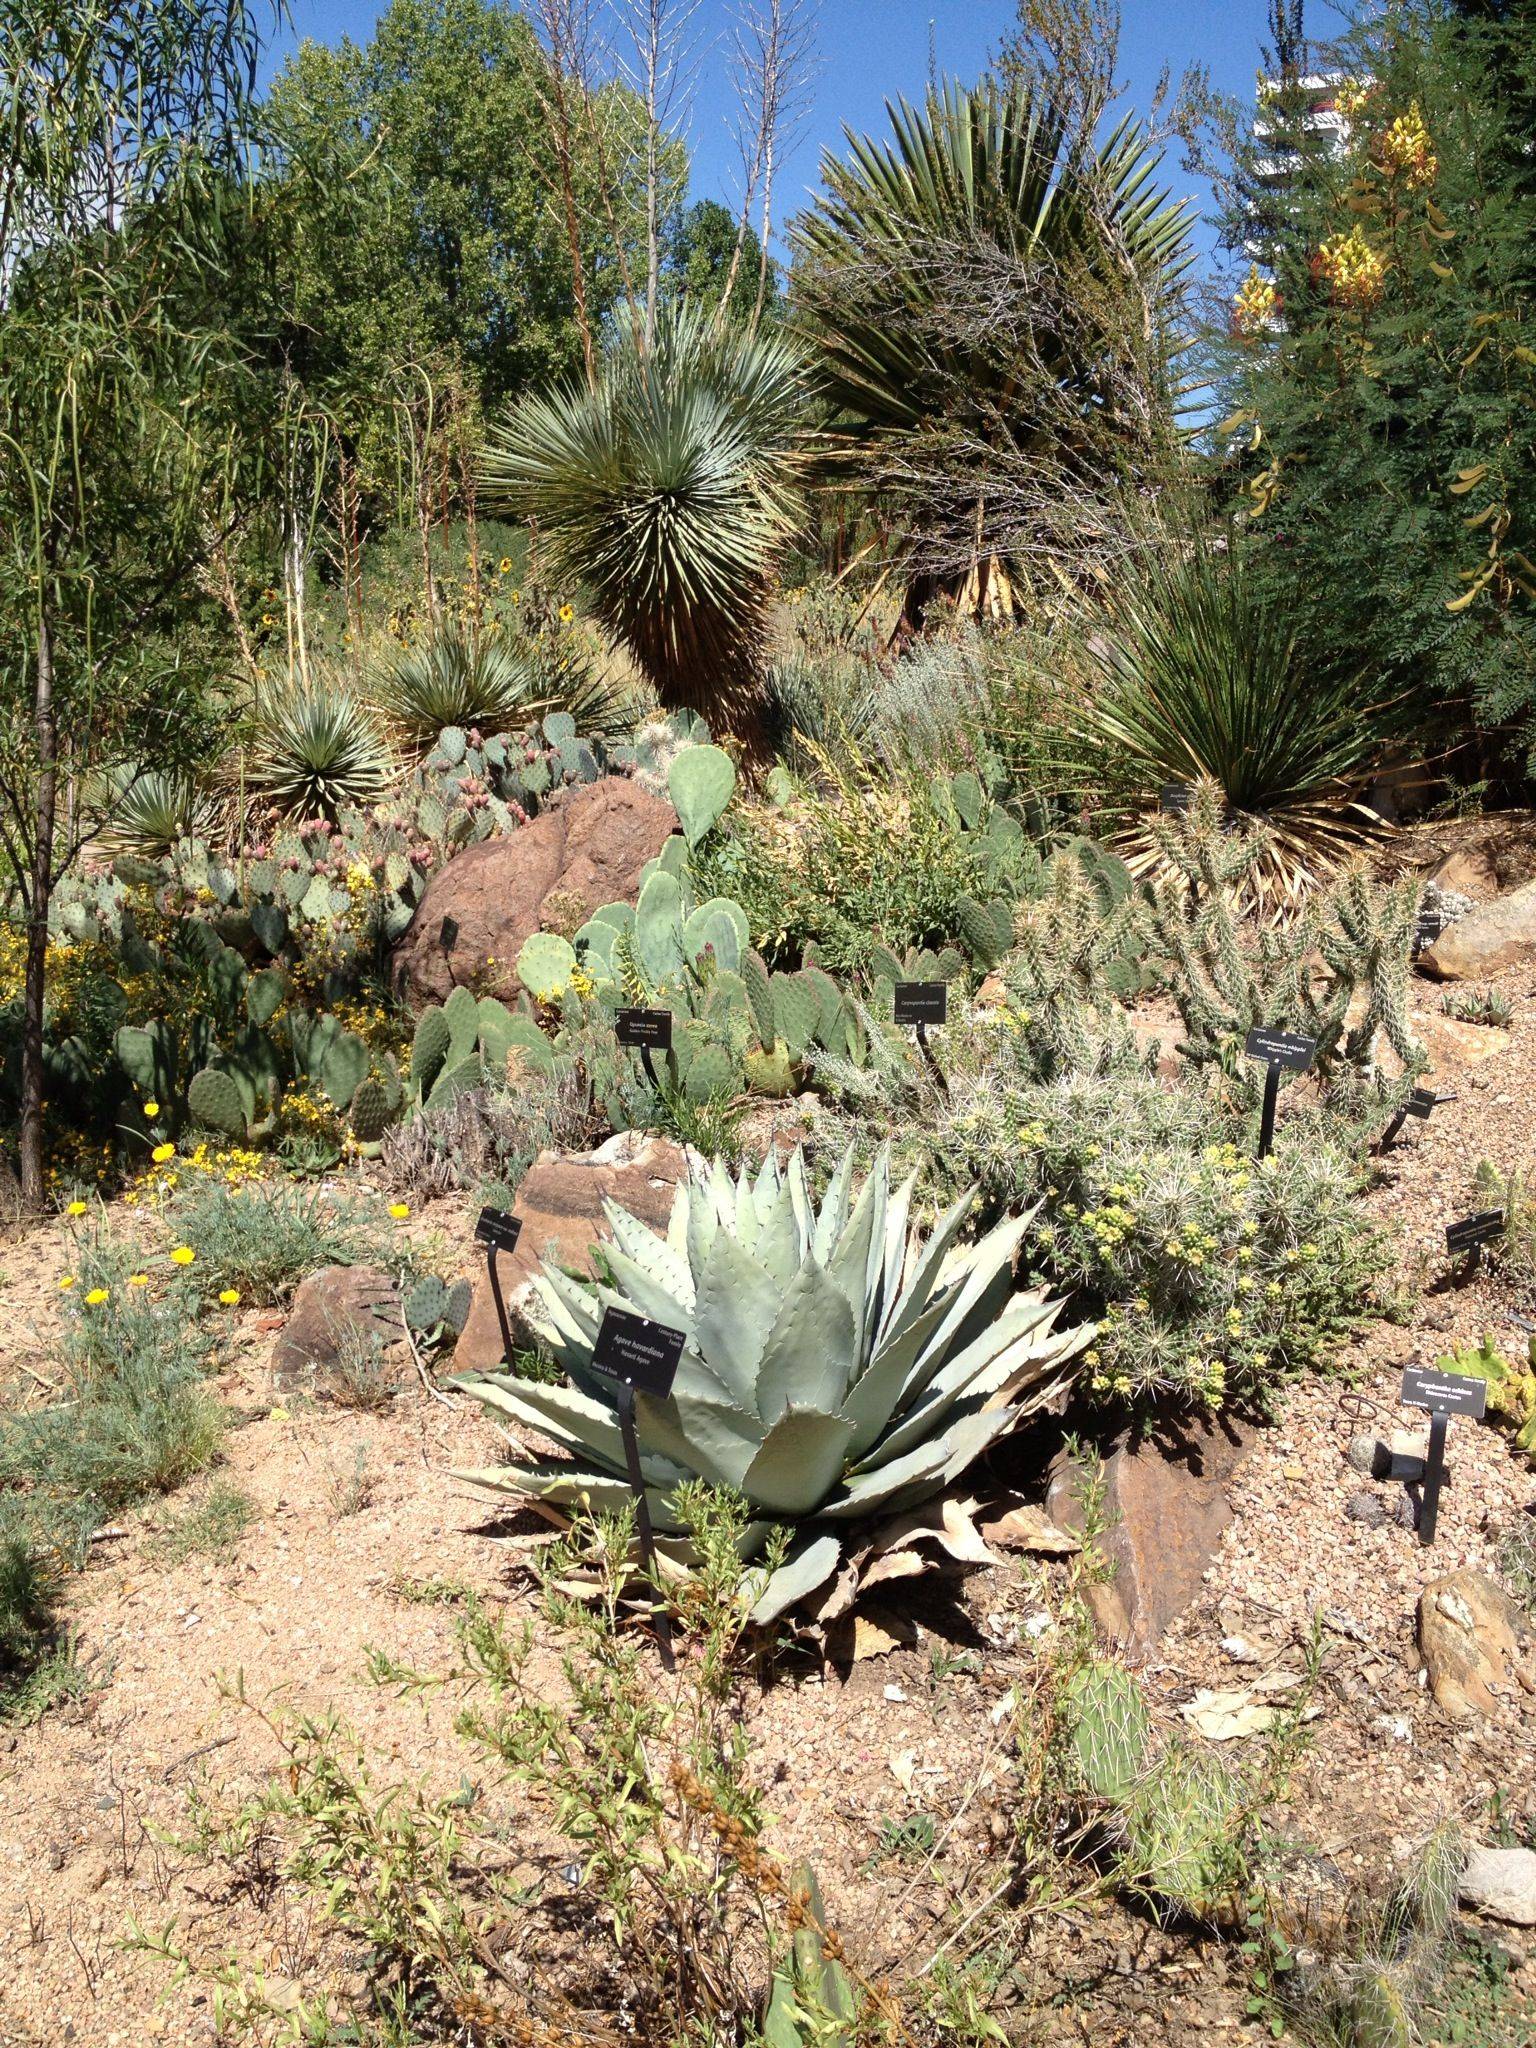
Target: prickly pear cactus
{"points": [[213, 1099]]}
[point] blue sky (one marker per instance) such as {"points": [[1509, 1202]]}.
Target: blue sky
{"points": [[872, 50]]}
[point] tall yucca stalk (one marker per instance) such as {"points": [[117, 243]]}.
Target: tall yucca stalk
{"points": [[667, 492], [989, 298]]}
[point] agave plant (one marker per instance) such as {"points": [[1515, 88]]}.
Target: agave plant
{"points": [[667, 492], [315, 748], [989, 298], [835, 1368], [457, 677], [1203, 679]]}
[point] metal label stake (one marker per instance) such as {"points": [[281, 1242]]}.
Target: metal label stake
{"points": [[1444, 1394], [634, 1352], [498, 1232], [921, 1003], [1420, 1103], [645, 1030], [1280, 1051]]}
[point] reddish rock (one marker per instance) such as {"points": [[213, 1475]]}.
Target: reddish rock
{"points": [[1468, 871], [560, 1206], [339, 1312], [1166, 1503], [588, 848]]}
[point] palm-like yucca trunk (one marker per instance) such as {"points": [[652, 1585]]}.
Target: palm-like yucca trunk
{"points": [[666, 493], [988, 297]]}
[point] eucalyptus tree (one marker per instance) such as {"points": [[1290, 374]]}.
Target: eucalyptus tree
{"points": [[125, 129]]}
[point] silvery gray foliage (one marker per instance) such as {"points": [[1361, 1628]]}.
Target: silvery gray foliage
{"points": [[836, 1367]]}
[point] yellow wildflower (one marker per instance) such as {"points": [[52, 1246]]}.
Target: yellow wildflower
{"points": [[183, 1255], [151, 1109], [163, 1152], [66, 1283], [567, 613], [138, 1279], [399, 1210], [75, 1209], [96, 1297], [229, 1296]]}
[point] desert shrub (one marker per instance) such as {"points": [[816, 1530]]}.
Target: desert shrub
{"points": [[260, 1241], [211, 1527], [1202, 676], [314, 749], [864, 856], [1212, 1277], [136, 1417], [26, 1599], [459, 677]]}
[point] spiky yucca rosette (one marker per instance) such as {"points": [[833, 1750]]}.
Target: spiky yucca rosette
{"points": [[835, 1368]]}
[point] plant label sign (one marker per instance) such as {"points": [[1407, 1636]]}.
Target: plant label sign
{"points": [[1176, 797], [1444, 1394], [1473, 1232], [1455, 1393], [1423, 1100], [650, 1030], [1428, 927], [498, 1229], [921, 1002], [637, 1352], [1289, 1049]]}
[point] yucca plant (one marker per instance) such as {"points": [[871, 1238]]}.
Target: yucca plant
{"points": [[314, 748], [989, 298], [147, 810], [667, 493], [1203, 679], [458, 677], [835, 1368]]}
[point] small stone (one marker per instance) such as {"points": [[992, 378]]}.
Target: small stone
{"points": [[1294, 1471], [1502, 1884], [1362, 1454]]}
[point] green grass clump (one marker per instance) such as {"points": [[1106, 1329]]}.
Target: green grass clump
{"points": [[133, 1417], [212, 1527], [262, 1241]]}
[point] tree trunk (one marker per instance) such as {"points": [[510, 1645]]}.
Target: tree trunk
{"points": [[33, 1184]]}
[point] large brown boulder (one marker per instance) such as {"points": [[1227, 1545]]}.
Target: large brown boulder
{"points": [[560, 1206], [585, 850], [1489, 938], [1476, 1644], [1165, 1501]]}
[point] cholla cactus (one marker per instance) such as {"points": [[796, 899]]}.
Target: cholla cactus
{"points": [[1351, 939], [835, 1368]]}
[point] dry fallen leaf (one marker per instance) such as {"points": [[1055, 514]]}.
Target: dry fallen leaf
{"points": [[1226, 1716], [1030, 1528]]}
